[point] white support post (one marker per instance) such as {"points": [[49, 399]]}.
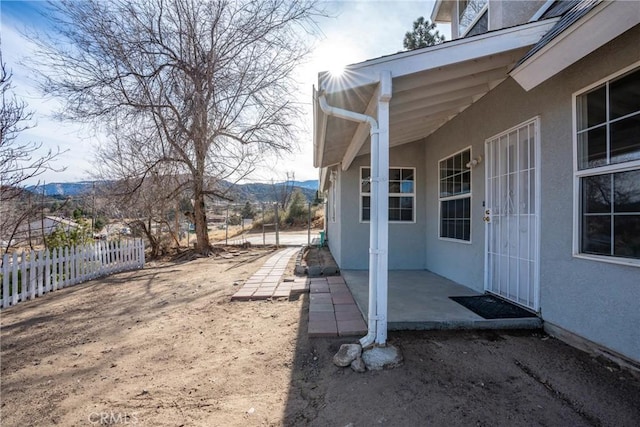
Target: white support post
{"points": [[382, 206]]}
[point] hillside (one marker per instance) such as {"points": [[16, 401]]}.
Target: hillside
{"points": [[240, 193]]}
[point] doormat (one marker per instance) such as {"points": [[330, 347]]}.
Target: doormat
{"points": [[490, 307]]}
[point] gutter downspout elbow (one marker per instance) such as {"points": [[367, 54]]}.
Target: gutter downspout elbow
{"points": [[346, 114], [372, 315]]}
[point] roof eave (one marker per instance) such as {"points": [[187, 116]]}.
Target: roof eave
{"points": [[577, 41], [441, 55]]}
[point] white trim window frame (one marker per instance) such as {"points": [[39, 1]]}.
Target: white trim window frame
{"points": [[455, 197], [402, 192], [606, 164], [333, 196]]}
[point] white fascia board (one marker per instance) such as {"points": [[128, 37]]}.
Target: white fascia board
{"points": [[324, 174], [433, 57], [319, 131], [441, 12], [605, 22]]}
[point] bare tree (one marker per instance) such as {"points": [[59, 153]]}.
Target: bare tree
{"points": [[203, 85], [147, 207], [19, 161], [282, 191]]}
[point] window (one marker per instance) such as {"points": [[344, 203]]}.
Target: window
{"points": [[333, 200], [455, 196], [402, 194], [470, 12], [608, 168]]}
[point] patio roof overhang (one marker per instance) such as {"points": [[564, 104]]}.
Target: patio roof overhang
{"points": [[430, 86]]}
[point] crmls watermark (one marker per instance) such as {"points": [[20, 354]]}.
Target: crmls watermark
{"points": [[113, 418]]}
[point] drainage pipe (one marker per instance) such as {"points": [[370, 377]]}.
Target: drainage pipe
{"points": [[374, 250]]}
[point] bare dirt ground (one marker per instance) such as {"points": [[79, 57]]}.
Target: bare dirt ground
{"points": [[164, 346]]}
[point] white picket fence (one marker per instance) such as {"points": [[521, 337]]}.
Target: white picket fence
{"points": [[32, 274]]}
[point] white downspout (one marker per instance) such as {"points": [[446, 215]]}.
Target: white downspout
{"points": [[370, 338], [379, 221]]}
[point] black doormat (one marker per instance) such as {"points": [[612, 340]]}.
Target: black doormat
{"points": [[491, 307]]}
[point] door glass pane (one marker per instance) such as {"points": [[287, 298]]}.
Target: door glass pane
{"points": [[523, 192], [502, 156], [532, 147], [523, 149]]}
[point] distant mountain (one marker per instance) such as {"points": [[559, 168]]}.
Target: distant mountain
{"points": [[63, 188], [311, 184], [240, 193], [265, 193]]}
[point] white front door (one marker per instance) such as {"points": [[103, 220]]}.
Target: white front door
{"points": [[512, 215]]}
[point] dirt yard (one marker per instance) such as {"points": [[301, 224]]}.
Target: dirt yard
{"points": [[165, 347]]}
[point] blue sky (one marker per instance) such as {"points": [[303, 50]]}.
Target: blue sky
{"points": [[361, 30]]}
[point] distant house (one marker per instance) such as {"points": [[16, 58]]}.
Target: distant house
{"points": [[35, 230], [507, 160]]}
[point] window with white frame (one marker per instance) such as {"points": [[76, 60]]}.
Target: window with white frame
{"points": [[455, 196], [608, 168], [402, 194], [333, 179]]}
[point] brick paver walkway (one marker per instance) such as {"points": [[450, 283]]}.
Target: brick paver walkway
{"points": [[268, 281], [332, 310]]}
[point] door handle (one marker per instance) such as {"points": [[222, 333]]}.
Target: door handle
{"points": [[487, 216]]}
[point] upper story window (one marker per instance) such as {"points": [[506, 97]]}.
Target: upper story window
{"points": [[469, 13], [608, 168], [402, 194]]}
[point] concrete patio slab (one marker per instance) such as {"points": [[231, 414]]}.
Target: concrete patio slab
{"points": [[419, 300]]}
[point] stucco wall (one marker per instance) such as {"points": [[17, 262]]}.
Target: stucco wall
{"points": [[597, 300], [406, 240], [503, 14], [334, 228]]}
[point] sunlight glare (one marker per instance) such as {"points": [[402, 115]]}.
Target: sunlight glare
{"points": [[334, 57]]}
